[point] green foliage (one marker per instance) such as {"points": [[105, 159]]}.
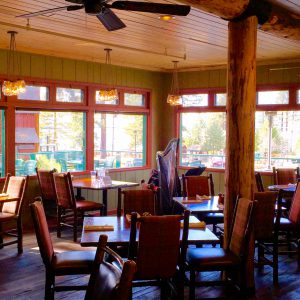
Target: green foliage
{"points": [[43, 162]]}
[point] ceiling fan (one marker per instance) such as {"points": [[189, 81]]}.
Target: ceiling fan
{"points": [[102, 10]]}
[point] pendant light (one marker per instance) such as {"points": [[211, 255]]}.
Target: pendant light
{"points": [[174, 97], [109, 94], [13, 86]]}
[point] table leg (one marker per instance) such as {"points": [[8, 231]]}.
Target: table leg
{"points": [[104, 200], [119, 202]]}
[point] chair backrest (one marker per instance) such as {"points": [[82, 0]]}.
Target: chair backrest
{"points": [[241, 228], [14, 186], [107, 281], [139, 201], [264, 214], [158, 252], [285, 175], [259, 183], [198, 185], [64, 190], [42, 232], [294, 214], [46, 182]]}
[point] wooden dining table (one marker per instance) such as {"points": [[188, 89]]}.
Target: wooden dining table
{"points": [[90, 184], [200, 207], [121, 233]]}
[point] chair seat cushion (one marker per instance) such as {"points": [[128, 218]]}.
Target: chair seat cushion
{"points": [[4, 217], [211, 259], [87, 205], [73, 262]]}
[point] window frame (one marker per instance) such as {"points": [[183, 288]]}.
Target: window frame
{"points": [[12, 104], [291, 106]]}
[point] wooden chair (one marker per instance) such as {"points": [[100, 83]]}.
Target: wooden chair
{"points": [[159, 251], [67, 206], [202, 185], [266, 231], [198, 185], [14, 186], [290, 225], [285, 175], [139, 201], [58, 264], [110, 280], [46, 183], [231, 259], [259, 183]]}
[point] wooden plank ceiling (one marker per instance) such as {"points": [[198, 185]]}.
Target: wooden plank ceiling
{"points": [[197, 41]]}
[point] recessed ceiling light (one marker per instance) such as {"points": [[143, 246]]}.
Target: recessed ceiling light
{"points": [[166, 17]]}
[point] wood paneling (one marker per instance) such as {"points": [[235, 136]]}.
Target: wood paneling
{"points": [[198, 40]]}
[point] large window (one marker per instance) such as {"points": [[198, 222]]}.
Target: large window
{"points": [[119, 140], [277, 129], [277, 139], [203, 139], [49, 140]]}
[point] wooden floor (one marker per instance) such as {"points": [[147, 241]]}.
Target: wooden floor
{"points": [[22, 276]]}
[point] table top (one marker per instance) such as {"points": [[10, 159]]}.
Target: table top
{"points": [[285, 187], [121, 233], [88, 183], [206, 206]]}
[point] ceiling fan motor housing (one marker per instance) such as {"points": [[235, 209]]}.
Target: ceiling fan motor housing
{"points": [[94, 7]]}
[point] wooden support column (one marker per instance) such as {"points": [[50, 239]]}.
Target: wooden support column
{"points": [[240, 118]]}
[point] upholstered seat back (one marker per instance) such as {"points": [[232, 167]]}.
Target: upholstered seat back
{"points": [[197, 185], [46, 183], [240, 226], [285, 175], [158, 247], [264, 214], [14, 186], [64, 190], [139, 201], [294, 215], [42, 232]]}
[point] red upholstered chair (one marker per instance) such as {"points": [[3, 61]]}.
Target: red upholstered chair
{"points": [[266, 231], [285, 175], [67, 206], [198, 185], [139, 201], [110, 280], [231, 259], [159, 251], [58, 264], [10, 212], [46, 183], [291, 225]]}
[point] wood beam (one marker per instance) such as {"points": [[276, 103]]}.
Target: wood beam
{"points": [[240, 120], [271, 16]]}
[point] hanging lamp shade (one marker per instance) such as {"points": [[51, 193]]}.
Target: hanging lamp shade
{"points": [[13, 86], [174, 97], [109, 94]]}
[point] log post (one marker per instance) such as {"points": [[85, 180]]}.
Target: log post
{"points": [[240, 118]]}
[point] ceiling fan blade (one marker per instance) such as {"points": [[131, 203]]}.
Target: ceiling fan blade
{"points": [[49, 11], [159, 8], [110, 20], [76, 1]]}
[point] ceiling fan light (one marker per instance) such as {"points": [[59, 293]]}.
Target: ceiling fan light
{"points": [[166, 17]]}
